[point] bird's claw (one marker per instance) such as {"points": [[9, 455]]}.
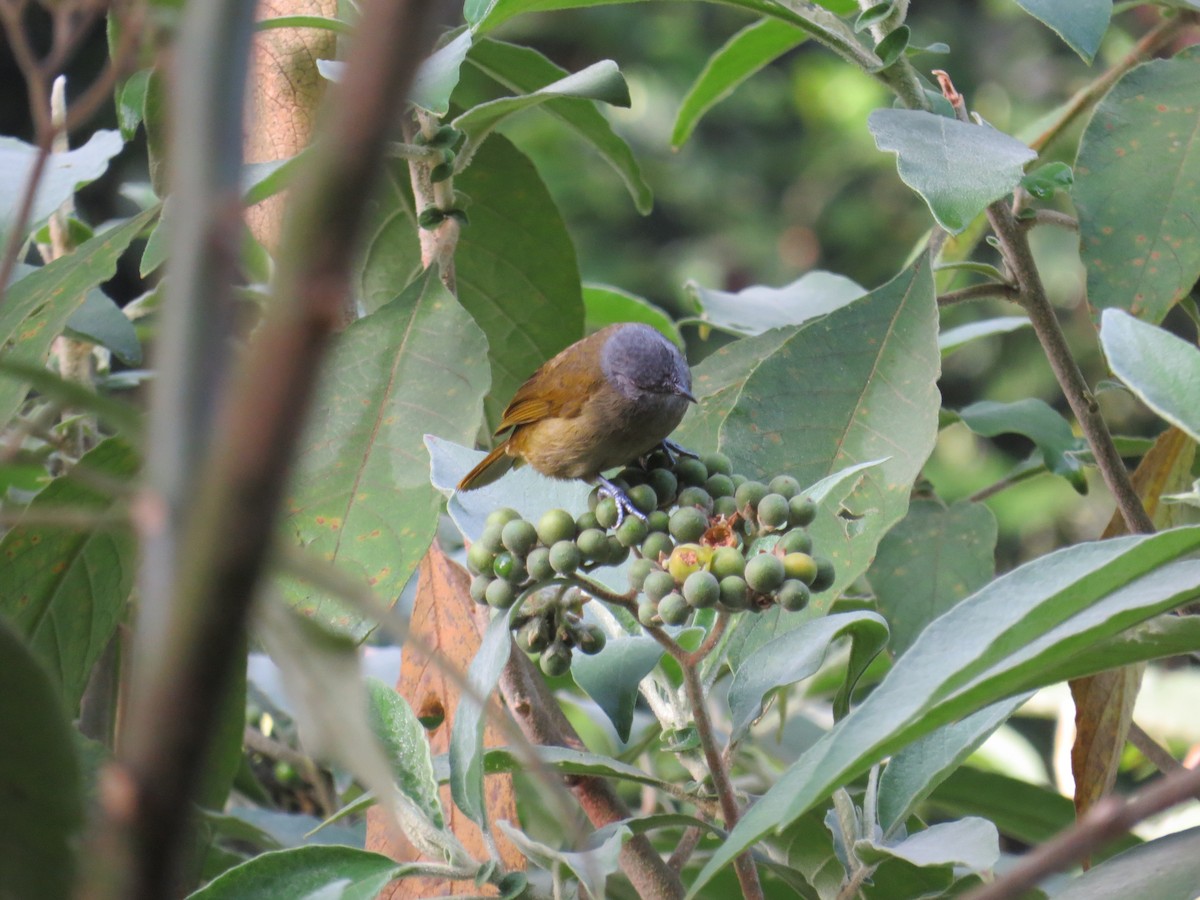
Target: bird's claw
{"points": [[672, 449], [619, 497]]}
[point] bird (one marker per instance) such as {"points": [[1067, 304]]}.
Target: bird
{"points": [[606, 400]]}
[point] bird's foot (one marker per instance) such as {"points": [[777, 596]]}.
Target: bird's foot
{"points": [[672, 450], [624, 504]]}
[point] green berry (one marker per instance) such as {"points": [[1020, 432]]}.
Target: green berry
{"points": [[738, 480], [727, 561], [657, 545], [695, 496], [701, 590], [638, 570], [764, 573], [510, 568], [647, 612], [500, 594], [480, 558], [617, 552], [719, 486], [556, 660], [519, 537], [538, 564], [644, 498], [665, 485], [802, 511], [725, 506], [793, 595], [717, 463], [796, 541], [490, 539], [591, 639], [786, 485], [673, 609], [735, 594], [585, 521], [565, 557], [606, 512], [479, 588], [773, 511], [632, 531], [686, 559], [691, 471], [826, 575], [593, 544], [801, 567], [749, 493], [535, 635], [688, 524], [555, 525], [657, 585], [501, 517], [659, 520]]}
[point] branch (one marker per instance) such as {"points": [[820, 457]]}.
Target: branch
{"points": [[1048, 217], [1110, 818], [985, 291]]}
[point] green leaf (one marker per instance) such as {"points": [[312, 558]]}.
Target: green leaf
{"points": [[466, 734], [604, 305], [99, 320], [753, 48], [568, 762], [360, 495], [913, 773], [600, 81], [36, 308], [994, 644], [523, 69], [337, 26], [330, 873], [118, 414], [1166, 869], [62, 175], [957, 168], [1038, 421], [517, 273], [893, 46], [1161, 369], [41, 794], [972, 842], [953, 338], [403, 739], [591, 867], [1045, 180], [797, 654], [854, 386], [437, 76], [1159, 638], [873, 15], [756, 309], [1080, 23], [131, 99], [611, 677], [928, 562], [66, 590], [1137, 187]]}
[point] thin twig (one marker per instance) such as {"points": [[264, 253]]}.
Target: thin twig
{"points": [[1048, 217], [1006, 482], [688, 841], [1110, 818], [1157, 754], [987, 291]]}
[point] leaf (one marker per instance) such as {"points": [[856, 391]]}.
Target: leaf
{"points": [[62, 175], [66, 590], [466, 736], [1137, 186], [600, 81], [118, 414], [36, 308], [1080, 23], [611, 677], [1161, 369], [952, 339], [797, 654], [605, 305], [754, 310], [100, 321], [855, 386], [41, 794], [569, 762], [929, 561], [996, 643], [1166, 869], [957, 168], [437, 75], [1103, 712], [403, 739], [590, 867], [753, 48], [972, 842], [523, 69], [1038, 421], [131, 98], [330, 873], [516, 267], [1045, 180], [360, 495]]}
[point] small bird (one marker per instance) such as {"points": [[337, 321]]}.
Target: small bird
{"points": [[604, 401]]}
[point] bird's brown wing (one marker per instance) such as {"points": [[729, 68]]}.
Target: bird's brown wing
{"points": [[557, 390]]}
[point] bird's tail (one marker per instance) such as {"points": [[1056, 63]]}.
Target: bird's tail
{"points": [[489, 469]]}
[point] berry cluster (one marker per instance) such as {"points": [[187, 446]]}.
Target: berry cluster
{"points": [[709, 538]]}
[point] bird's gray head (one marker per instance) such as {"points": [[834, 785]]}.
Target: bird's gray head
{"points": [[637, 359]]}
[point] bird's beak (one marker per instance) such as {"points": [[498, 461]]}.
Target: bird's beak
{"points": [[686, 394]]}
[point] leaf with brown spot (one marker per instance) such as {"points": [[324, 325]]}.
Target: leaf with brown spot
{"points": [[443, 618]]}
